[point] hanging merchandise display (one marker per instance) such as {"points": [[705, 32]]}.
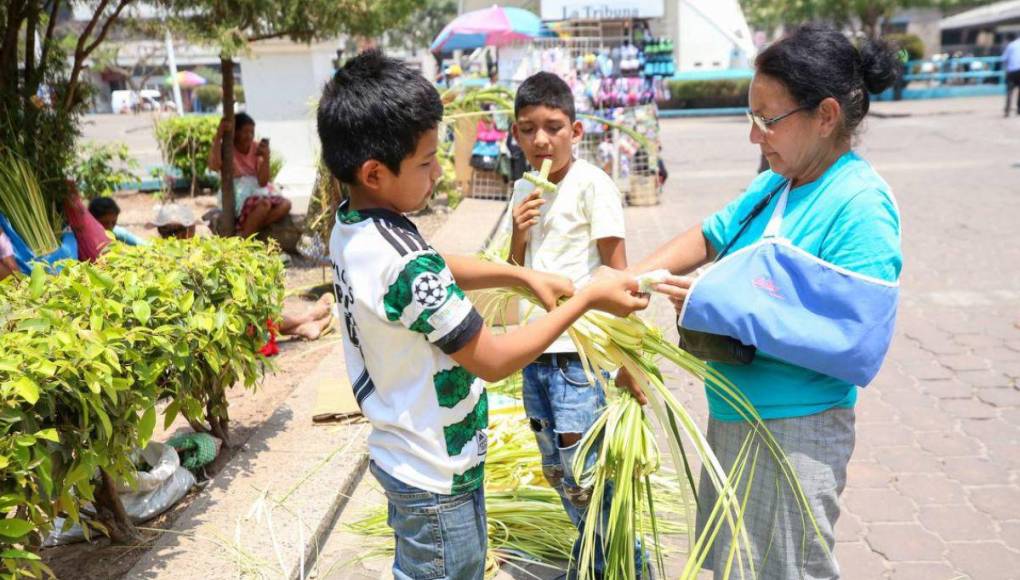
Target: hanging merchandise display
{"points": [[658, 57], [617, 72]]}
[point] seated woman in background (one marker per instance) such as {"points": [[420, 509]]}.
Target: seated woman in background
{"points": [[106, 211], [256, 203]]}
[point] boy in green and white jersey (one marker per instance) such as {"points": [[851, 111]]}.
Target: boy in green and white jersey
{"points": [[413, 342]]}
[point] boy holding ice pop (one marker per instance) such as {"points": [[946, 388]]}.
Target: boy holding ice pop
{"points": [[567, 219]]}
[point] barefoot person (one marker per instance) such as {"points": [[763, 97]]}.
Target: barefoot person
{"points": [[309, 324]]}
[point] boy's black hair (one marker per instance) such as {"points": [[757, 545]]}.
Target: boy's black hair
{"points": [[241, 120], [374, 107], [545, 90], [101, 206]]}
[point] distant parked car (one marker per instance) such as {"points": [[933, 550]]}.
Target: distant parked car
{"points": [[143, 100]]}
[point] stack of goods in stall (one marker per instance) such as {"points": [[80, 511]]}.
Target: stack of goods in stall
{"points": [[658, 66], [658, 60], [488, 142], [643, 167]]}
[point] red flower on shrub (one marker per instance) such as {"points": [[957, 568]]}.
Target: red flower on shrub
{"points": [[270, 348]]}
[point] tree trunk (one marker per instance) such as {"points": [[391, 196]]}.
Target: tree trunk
{"points": [[219, 426], [197, 426], [227, 171], [9, 47], [27, 88], [110, 512], [870, 22]]}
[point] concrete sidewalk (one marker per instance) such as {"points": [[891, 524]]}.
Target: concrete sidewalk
{"points": [[266, 513]]}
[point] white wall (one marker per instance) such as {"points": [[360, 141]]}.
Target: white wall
{"points": [[712, 35], [283, 80]]}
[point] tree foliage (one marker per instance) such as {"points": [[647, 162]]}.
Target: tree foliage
{"points": [[424, 25], [87, 351], [864, 16], [232, 25]]}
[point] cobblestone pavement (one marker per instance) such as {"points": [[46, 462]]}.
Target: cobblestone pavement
{"points": [[934, 484]]}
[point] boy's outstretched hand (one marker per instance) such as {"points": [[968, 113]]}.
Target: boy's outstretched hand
{"points": [[549, 288], [614, 292], [625, 381]]}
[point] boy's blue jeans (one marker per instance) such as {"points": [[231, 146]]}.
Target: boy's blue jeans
{"points": [[437, 536]]}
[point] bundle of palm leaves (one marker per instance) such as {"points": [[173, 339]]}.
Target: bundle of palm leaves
{"points": [[627, 454], [526, 521]]}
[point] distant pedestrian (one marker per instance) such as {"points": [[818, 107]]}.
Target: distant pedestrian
{"points": [[1011, 64]]}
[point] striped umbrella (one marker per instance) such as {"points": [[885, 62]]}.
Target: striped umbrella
{"points": [[186, 79], [495, 26]]}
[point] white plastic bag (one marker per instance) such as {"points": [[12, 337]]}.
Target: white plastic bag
{"points": [[156, 491]]}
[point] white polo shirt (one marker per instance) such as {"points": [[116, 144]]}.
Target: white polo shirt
{"points": [[586, 207]]}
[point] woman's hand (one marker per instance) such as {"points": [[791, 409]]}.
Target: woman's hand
{"points": [[624, 380], [549, 288], [675, 288], [222, 129], [263, 149]]}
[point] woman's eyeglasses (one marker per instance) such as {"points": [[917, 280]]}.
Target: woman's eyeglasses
{"points": [[763, 123]]}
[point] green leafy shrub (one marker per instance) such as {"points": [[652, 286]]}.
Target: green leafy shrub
{"points": [[276, 163], [100, 169], [692, 94], [86, 352], [185, 143], [210, 96]]}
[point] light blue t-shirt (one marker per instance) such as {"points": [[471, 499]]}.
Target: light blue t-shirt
{"points": [[125, 236], [1011, 56], [846, 217]]}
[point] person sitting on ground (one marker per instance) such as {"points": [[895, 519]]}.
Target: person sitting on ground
{"points": [[106, 211], [256, 203], [177, 221], [8, 266]]}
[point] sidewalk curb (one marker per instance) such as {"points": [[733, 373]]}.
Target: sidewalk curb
{"points": [[329, 521]]}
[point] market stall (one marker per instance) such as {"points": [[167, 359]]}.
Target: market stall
{"points": [[617, 71]]}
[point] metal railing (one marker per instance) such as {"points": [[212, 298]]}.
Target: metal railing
{"points": [[957, 71]]}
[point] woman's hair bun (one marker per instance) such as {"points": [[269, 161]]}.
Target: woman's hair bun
{"points": [[879, 65]]}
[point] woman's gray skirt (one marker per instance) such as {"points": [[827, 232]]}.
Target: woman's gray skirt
{"points": [[784, 543]]}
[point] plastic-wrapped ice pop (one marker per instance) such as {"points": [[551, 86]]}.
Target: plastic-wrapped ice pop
{"points": [[648, 280]]}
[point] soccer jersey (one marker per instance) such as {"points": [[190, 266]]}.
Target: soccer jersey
{"points": [[403, 315]]}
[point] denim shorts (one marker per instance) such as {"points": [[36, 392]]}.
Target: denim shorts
{"points": [[560, 398], [437, 536]]}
